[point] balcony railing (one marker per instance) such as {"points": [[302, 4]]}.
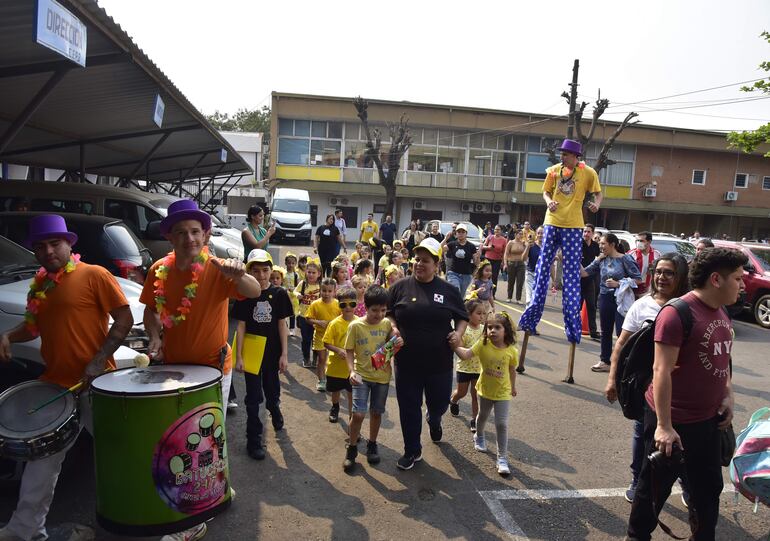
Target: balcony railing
{"points": [[428, 179]]}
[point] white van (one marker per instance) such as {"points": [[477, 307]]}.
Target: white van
{"points": [[290, 213]]}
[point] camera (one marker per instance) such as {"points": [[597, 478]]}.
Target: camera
{"points": [[660, 459]]}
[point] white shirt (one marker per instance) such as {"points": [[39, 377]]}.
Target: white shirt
{"points": [[643, 309], [340, 223]]}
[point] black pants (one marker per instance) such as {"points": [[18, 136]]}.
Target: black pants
{"points": [[496, 264], [703, 473], [588, 294], [326, 267], [266, 387], [410, 387]]}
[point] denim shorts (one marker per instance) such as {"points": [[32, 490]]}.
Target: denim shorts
{"points": [[361, 393]]}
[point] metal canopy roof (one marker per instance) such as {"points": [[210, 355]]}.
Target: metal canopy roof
{"points": [[56, 114]]}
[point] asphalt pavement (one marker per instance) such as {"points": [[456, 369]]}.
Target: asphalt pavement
{"points": [[569, 454]]}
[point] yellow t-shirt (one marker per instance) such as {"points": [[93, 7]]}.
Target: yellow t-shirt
{"points": [[325, 311], [471, 336], [495, 380], [306, 294], [355, 256], [570, 195], [368, 230], [336, 331], [383, 262], [364, 339]]}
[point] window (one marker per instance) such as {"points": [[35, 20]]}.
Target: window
{"points": [[302, 127], [480, 162], [379, 208], [335, 130], [617, 174], [293, 151], [766, 183], [135, 216], [324, 152], [741, 180], [451, 160], [699, 177], [536, 166], [285, 126], [58, 205], [318, 129], [422, 158], [351, 131], [504, 164]]}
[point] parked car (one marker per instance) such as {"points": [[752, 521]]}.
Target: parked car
{"points": [[663, 244], [101, 241], [475, 234], [756, 278]]}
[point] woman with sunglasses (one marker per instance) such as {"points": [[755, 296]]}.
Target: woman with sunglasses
{"points": [[669, 280]]}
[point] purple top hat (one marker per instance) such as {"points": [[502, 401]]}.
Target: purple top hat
{"points": [[184, 209], [569, 145], [49, 226]]}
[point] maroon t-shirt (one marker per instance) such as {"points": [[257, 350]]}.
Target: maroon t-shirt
{"points": [[699, 380]]}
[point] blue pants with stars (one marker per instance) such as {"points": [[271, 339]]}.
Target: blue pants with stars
{"points": [[570, 240]]}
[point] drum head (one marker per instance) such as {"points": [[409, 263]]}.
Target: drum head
{"points": [[15, 422], [156, 380]]}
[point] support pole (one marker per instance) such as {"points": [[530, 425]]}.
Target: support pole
{"points": [[523, 353], [570, 364], [573, 100]]}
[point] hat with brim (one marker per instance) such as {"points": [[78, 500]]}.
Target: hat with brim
{"points": [[184, 209], [258, 255], [430, 245], [461, 227], [49, 226], [570, 145]]}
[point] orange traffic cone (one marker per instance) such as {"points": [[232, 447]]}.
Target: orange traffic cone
{"points": [[584, 319]]}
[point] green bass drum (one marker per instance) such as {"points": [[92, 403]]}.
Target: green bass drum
{"points": [[160, 449]]}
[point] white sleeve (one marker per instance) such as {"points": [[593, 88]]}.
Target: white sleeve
{"points": [[631, 323]]}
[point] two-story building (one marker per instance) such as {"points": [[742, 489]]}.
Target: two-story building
{"points": [[489, 165]]}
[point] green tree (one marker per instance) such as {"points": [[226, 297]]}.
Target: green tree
{"points": [[748, 141], [246, 120]]}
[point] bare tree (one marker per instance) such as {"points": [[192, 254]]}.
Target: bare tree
{"points": [[400, 141]]}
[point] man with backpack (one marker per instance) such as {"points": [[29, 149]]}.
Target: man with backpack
{"points": [[690, 398]]}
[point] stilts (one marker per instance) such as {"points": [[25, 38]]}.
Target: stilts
{"points": [[570, 364]]}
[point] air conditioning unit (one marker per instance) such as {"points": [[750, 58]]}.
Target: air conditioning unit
{"points": [[480, 207], [731, 196], [650, 192], [419, 205], [466, 207], [498, 208], [338, 201]]}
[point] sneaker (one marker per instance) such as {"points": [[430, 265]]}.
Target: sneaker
{"points": [[407, 462], [351, 452], [372, 454], [321, 386], [534, 332], [686, 499], [232, 494], [600, 367], [473, 425], [520, 369], [436, 433], [306, 363], [231, 405], [596, 336], [334, 413], [502, 466], [479, 443], [196, 532], [257, 452], [631, 492], [509, 300], [454, 408], [277, 419]]}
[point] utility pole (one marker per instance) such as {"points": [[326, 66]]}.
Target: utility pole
{"points": [[573, 100]]}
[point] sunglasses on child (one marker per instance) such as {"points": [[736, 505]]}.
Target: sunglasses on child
{"points": [[351, 304]]}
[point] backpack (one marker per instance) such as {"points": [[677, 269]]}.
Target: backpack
{"points": [[750, 466], [634, 370]]}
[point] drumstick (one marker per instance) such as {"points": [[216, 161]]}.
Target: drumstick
{"points": [[57, 397]]}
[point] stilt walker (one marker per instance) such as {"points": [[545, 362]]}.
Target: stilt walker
{"points": [[564, 192]]}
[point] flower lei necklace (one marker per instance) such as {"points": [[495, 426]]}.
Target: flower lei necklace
{"points": [[190, 290], [43, 282]]}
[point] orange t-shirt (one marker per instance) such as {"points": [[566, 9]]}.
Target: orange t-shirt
{"points": [[198, 339], [73, 322]]}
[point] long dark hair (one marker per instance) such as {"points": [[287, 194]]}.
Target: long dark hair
{"points": [[253, 211], [682, 285], [612, 238]]}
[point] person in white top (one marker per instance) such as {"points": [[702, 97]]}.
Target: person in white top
{"points": [[669, 280], [339, 221]]}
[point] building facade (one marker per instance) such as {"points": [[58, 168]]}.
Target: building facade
{"points": [[485, 165]]}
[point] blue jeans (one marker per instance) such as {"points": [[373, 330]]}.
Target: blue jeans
{"points": [[608, 318], [410, 387], [460, 281], [637, 450]]}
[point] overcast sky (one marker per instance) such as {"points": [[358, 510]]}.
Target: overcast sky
{"points": [[230, 54]]}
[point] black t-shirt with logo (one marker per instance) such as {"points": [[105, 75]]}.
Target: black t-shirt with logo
{"points": [[460, 257], [424, 313], [327, 241], [262, 316]]}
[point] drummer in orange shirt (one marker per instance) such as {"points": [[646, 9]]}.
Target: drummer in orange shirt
{"points": [[71, 318], [186, 297]]}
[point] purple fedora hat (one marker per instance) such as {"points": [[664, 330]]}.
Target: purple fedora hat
{"points": [[184, 209], [569, 145], [49, 226]]}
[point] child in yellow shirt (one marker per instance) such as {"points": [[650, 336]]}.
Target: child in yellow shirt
{"points": [[307, 291], [497, 384], [337, 372], [468, 371], [319, 314]]}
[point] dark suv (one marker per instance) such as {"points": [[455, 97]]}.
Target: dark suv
{"points": [[101, 241]]}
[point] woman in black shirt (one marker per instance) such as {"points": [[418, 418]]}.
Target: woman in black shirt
{"points": [[327, 237]]}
